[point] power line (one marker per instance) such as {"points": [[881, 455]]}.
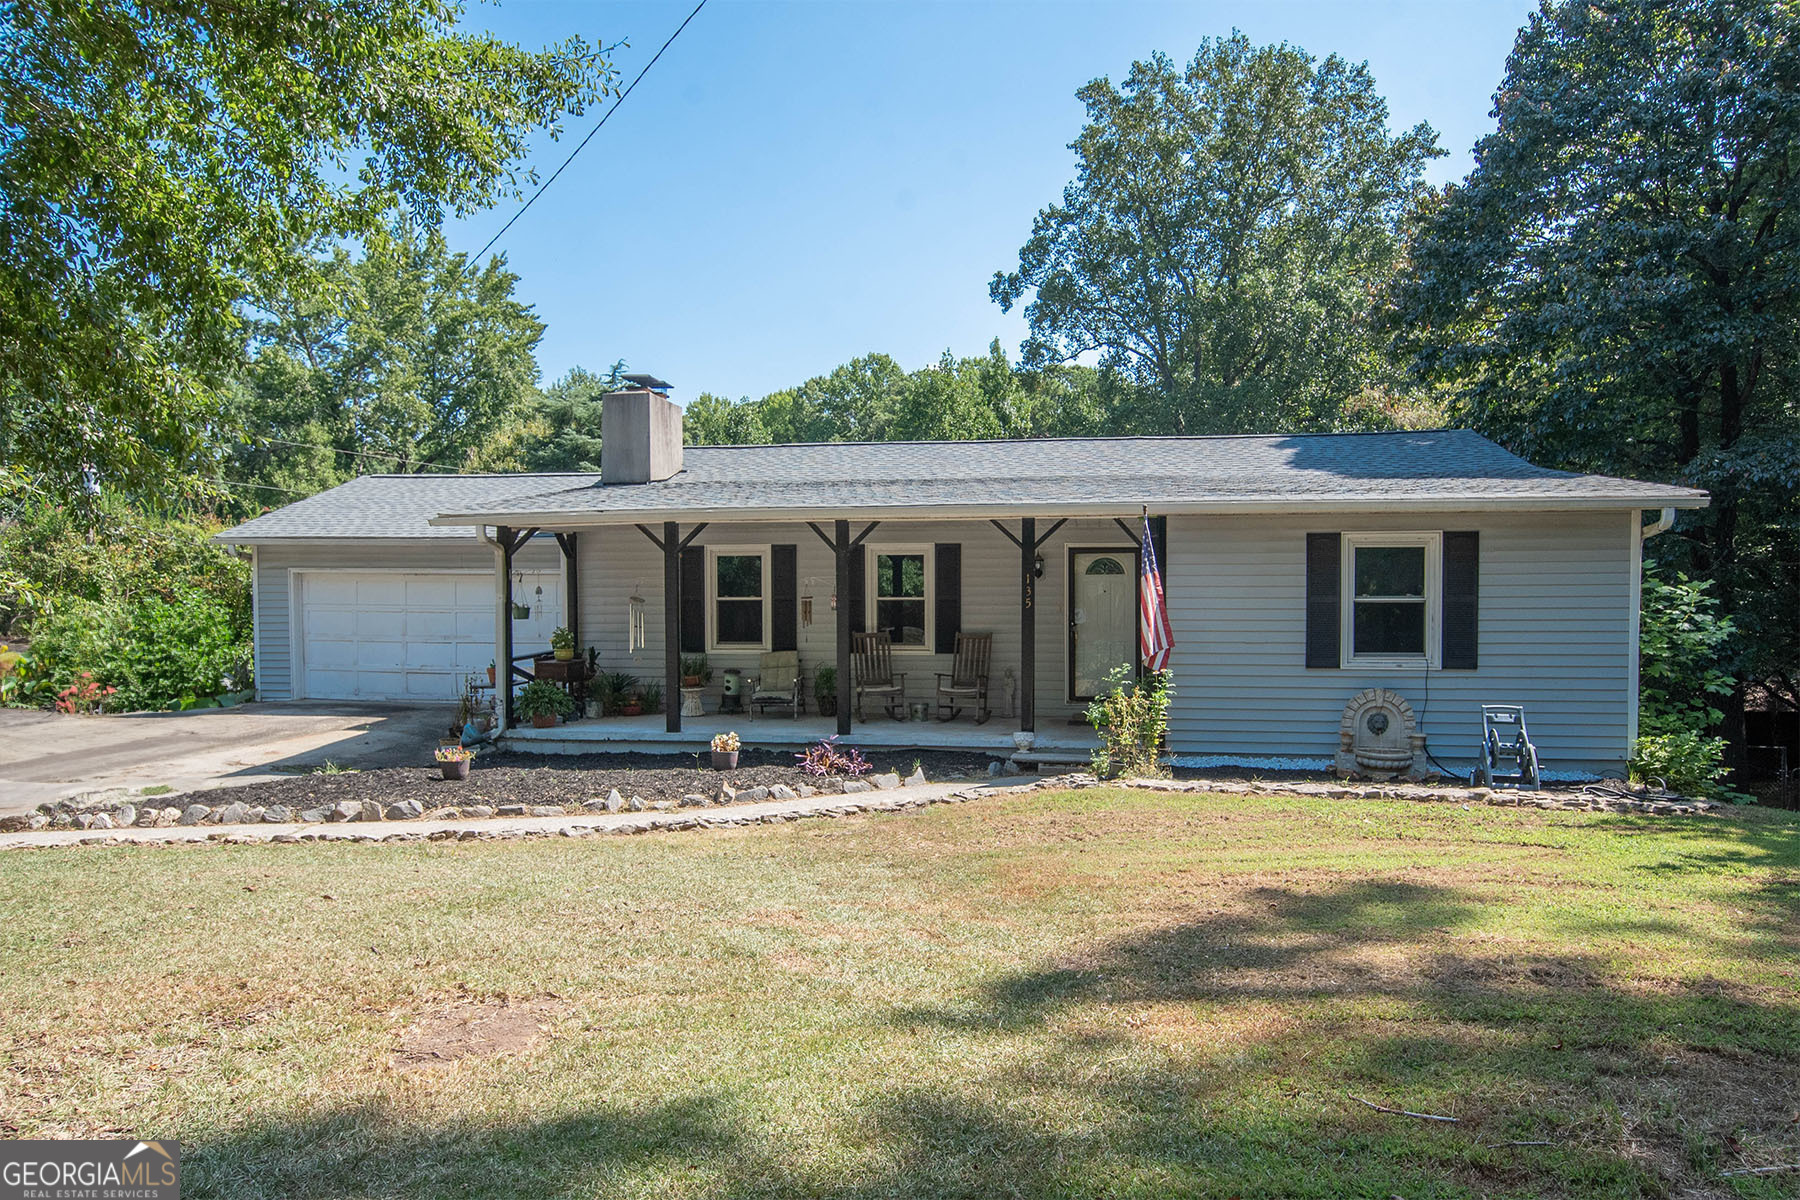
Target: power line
{"points": [[399, 458], [590, 136]]}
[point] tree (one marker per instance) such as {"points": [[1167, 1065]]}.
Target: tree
{"points": [[709, 420], [420, 361], [565, 435], [1225, 240], [855, 402], [162, 161], [1616, 286]]}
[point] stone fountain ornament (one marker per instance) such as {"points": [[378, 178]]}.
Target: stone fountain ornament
{"points": [[1379, 738]]}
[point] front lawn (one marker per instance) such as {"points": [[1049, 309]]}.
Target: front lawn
{"points": [[1077, 994]]}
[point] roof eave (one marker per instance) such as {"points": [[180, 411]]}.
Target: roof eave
{"points": [[1622, 501]]}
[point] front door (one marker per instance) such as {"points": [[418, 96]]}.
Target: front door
{"points": [[1102, 617]]}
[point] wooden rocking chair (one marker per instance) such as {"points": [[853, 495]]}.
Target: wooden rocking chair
{"points": [[873, 659], [966, 682]]}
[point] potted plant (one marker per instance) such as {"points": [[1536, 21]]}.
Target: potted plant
{"points": [[825, 691], [694, 671], [562, 643], [544, 702], [454, 761], [490, 672], [618, 689], [725, 751], [652, 697]]}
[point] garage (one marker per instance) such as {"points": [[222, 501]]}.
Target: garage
{"points": [[407, 635]]}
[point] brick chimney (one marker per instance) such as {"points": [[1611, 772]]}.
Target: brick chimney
{"points": [[640, 433]]}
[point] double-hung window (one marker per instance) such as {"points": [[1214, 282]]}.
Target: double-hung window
{"points": [[899, 587], [1390, 596], [738, 579]]}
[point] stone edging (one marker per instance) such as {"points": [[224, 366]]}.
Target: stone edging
{"points": [[1560, 800]]}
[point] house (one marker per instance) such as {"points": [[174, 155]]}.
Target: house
{"points": [[1299, 571]]}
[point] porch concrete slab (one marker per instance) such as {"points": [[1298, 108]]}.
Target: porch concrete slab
{"points": [[54, 756], [567, 825], [648, 734]]}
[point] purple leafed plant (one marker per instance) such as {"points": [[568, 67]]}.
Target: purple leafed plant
{"points": [[827, 759]]}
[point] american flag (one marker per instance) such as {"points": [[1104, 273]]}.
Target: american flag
{"points": [[1155, 638]]}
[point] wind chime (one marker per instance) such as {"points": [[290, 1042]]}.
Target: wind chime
{"points": [[634, 624]]}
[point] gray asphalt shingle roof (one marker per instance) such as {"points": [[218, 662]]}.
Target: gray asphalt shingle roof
{"points": [[1047, 477]]}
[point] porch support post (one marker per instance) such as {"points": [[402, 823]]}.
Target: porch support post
{"points": [[503, 628], [845, 684], [1028, 548], [571, 589], [671, 548]]}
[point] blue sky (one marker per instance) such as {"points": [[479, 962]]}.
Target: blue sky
{"points": [[795, 184]]}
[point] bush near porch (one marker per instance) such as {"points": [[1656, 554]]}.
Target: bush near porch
{"points": [[1074, 994]]}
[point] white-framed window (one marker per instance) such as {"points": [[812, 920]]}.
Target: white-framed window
{"points": [[737, 597], [1391, 594], [901, 590]]}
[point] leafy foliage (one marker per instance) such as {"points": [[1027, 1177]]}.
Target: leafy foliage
{"points": [[1680, 686], [1222, 245], [829, 759], [150, 651], [541, 698], [1616, 287], [233, 139], [1686, 761], [1131, 714], [565, 428]]}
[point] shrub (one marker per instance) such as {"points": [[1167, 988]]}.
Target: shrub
{"points": [[541, 698], [1130, 715], [825, 683], [154, 652], [1685, 761]]}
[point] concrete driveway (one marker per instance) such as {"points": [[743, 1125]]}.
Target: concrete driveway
{"points": [[47, 756]]}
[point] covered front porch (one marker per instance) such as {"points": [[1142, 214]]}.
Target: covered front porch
{"points": [[1053, 599]]}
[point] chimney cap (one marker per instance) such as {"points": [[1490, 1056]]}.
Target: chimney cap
{"points": [[649, 382]]}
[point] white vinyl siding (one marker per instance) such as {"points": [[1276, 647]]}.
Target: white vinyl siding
{"points": [[1555, 635]]}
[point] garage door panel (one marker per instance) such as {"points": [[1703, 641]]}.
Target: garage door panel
{"points": [[331, 684], [476, 627], [330, 654], [380, 624], [475, 593], [431, 656], [432, 625], [331, 590], [379, 591]]}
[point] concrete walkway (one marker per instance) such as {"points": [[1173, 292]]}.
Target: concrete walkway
{"points": [[567, 825]]}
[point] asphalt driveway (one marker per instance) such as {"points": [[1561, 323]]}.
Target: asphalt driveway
{"points": [[47, 756]]}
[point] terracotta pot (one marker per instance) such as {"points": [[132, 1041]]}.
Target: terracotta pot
{"points": [[490, 677], [455, 770], [690, 681], [631, 710], [543, 721], [724, 760]]}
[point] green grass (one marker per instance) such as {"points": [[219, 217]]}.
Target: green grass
{"points": [[1096, 993]]}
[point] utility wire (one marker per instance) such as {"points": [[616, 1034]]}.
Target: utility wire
{"points": [[400, 458], [590, 136]]}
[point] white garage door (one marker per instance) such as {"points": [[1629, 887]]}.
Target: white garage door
{"points": [[397, 635]]}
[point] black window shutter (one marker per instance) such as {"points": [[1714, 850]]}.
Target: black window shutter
{"points": [[949, 595], [693, 600], [1462, 602], [784, 607], [1323, 610], [859, 613], [1159, 541]]}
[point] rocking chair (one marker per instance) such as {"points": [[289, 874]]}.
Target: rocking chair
{"points": [[872, 656], [967, 680]]}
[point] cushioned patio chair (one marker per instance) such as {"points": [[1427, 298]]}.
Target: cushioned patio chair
{"points": [[966, 682], [778, 683], [873, 658]]}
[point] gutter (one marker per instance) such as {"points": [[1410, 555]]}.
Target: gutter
{"points": [[1662, 524]]}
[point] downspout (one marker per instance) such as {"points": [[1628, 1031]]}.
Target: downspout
{"points": [[1642, 532]]}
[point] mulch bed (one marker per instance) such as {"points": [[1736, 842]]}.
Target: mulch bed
{"points": [[568, 780]]}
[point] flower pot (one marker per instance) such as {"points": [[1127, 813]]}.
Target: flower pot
{"points": [[543, 720], [564, 653], [724, 760], [521, 612], [455, 770], [690, 681], [827, 706], [631, 710]]}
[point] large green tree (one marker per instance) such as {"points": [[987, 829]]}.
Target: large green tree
{"points": [[565, 433], [1616, 286], [1229, 229], [163, 161], [411, 359]]}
